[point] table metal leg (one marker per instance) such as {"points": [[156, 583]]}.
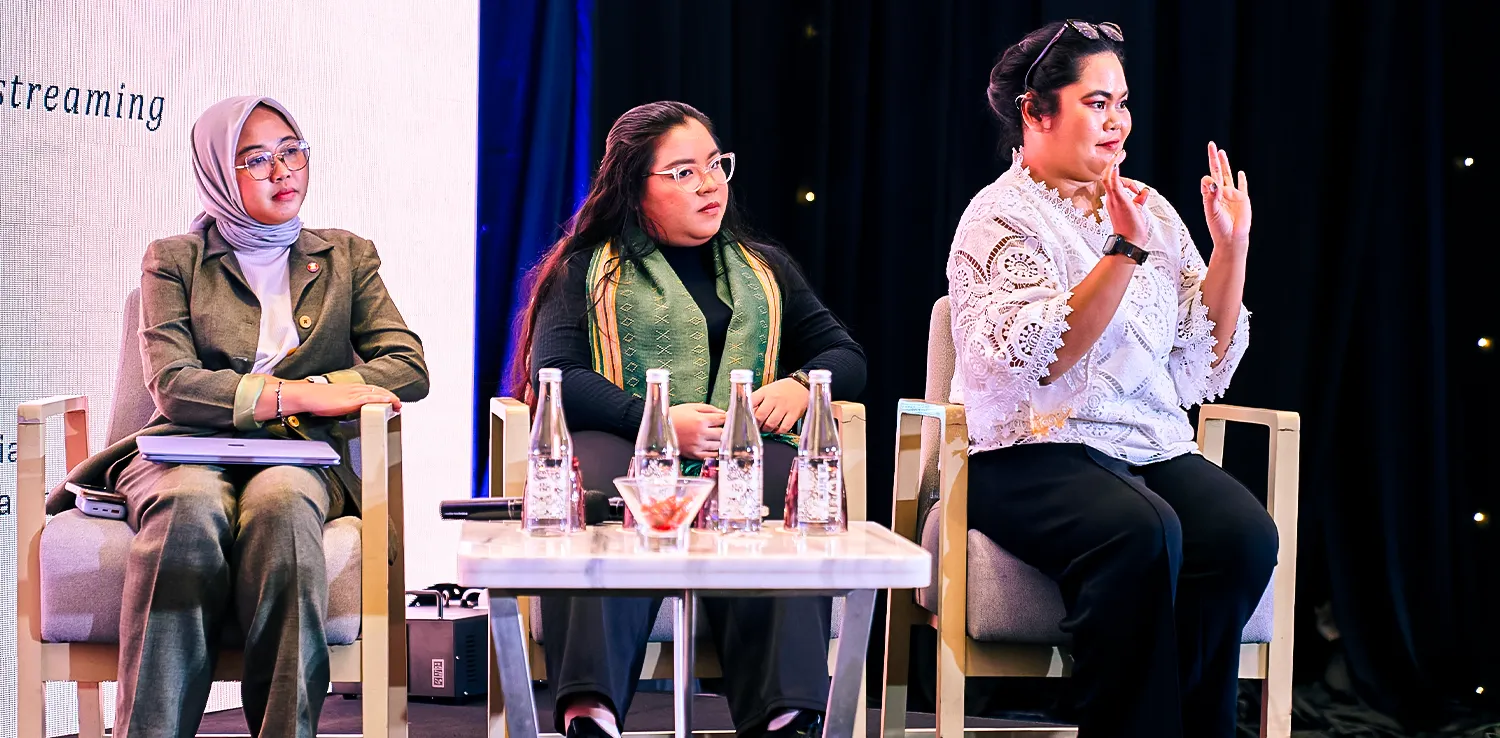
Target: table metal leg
{"points": [[849, 665], [682, 664], [515, 670]]}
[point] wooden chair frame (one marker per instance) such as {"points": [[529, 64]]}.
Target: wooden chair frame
{"points": [[959, 656], [377, 660], [510, 435]]}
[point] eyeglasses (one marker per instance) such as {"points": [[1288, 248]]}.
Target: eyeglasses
{"points": [[1090, 31], [691, 178], [261, 164]]}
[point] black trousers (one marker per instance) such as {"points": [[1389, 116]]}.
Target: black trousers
{"points": [[1160, 567], [774, 651]]}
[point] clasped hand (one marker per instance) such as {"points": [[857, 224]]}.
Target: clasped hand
{"points": [[700, 426]]}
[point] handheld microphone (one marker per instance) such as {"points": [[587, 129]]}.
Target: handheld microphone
{"points": [[597, 508]]}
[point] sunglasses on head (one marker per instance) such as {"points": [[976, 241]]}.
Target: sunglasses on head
{"points": [[1090, 31]]}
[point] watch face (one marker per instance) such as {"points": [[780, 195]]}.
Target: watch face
{"points": [[1118, 245]]}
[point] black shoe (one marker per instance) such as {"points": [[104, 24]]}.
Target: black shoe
{"points": [[586, 727], [807, 724]]}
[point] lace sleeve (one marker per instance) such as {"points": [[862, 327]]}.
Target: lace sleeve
{"points": [[1194, 373], [1009, 307]]}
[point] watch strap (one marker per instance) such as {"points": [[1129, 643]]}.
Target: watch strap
{"points": [[1118, 245]]}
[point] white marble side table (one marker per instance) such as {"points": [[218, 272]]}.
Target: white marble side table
{"points": [[608, 560]]}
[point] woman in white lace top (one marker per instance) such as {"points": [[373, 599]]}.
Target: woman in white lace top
{"points": [[1085, 323]]}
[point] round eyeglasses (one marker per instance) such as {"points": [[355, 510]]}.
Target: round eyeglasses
{"points": [[261, 164]]}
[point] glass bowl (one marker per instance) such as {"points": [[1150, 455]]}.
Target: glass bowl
{"points": [[664, 507]]}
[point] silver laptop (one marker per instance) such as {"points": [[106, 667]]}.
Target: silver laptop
{"points": [[254, 451]]}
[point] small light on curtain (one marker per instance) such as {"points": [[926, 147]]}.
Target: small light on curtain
{"points": [[806, 196], [1468, 161], [1479, 690], [1486, 343], [1480, 517]]}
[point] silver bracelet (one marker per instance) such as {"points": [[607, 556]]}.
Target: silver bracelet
{"points": [[279, 416]]}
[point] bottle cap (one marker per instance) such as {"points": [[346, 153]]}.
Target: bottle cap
{"points": [[819, 376], [657, 375], [549, 375], [741, 376]]}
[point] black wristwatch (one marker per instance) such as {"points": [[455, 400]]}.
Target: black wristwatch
{"points": [[801, 378], [1118, 245]]}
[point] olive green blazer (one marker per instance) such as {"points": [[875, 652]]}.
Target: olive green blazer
{"points": [[200, 325]]}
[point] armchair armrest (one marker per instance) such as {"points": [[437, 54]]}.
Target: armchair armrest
{"points": [[510, 432], [31, 474], [74, 409], [38, 411], [382, 571], [31, 494], [1281, 501], [1285, 441], [851, 423], [951, 562], [953, 454]]}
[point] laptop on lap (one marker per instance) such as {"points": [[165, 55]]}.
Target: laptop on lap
{"points": [[227, 451]]}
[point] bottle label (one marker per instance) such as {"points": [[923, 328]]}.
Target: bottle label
{"points": [[741, 493], [819, 490], [548, 491], [655, 467]]}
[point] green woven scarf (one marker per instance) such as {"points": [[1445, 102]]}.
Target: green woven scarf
{"points": [[644, 318]]}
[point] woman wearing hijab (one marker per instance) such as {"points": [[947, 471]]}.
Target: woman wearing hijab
{"points": [[246, 331]]}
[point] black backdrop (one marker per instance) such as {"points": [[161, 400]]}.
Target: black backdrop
{"points": [[1370, 278]]}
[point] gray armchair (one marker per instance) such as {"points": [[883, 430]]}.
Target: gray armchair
{"points": [[994, 615], [71, 569]]}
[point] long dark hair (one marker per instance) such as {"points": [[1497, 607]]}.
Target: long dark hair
{"points": [[612, 207], [1061, 67]]}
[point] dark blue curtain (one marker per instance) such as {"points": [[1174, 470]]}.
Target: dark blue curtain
{"points": [[1371, 274], [535, 74]]}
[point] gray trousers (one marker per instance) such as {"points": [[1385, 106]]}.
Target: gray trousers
{"points": [[208, 538]]}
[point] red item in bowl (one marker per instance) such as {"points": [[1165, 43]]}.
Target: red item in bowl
{"points": [[666, 514]]}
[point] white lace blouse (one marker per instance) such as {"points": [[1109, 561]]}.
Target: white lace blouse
{"points": [[1018, 252]]}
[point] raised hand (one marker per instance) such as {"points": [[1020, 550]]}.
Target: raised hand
{"points": [[1125, 200], [1226, 205]]}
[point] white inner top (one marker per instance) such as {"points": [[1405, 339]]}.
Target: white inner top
{"points": [[270, 279]]}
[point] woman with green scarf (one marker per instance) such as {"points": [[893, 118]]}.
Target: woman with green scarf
{"points": [[655, 271]]}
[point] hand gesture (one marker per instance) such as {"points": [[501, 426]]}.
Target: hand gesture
{"points": [[1226, 206], [700, 428], [1125, 199], [779, 405]]}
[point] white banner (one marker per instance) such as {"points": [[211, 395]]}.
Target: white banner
{"points": [[96, 103]]}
